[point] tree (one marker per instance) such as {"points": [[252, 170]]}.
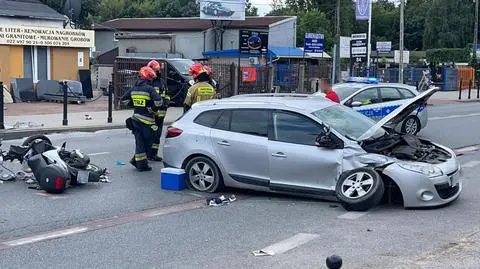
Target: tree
{"points": [[415, 11], [449, 24], [250, 10], [314, 22]]}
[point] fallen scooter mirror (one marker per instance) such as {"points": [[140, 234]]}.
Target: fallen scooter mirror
{"points": [[54, 169]]}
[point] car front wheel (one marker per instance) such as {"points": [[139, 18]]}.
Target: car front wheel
{"points": [[411, 125], [360, 189], [203, 175]]}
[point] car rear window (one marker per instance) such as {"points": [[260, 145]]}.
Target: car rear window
{"points": [[406, 93], [208, 118]]}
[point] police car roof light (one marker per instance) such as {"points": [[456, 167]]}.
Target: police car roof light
{"points": [[368, 80]]}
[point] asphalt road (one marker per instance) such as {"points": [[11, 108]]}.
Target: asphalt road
{"points": [[454, 125], [110, 229]]}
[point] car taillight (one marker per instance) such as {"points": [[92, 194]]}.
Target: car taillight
{"points": [[59, 183], [173, 132]]}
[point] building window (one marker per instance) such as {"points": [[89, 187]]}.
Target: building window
{"points": [[36, 63]]}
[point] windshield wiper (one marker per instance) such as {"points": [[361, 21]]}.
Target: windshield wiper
{"points": [[349, 137]]}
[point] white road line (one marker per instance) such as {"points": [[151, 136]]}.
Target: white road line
{"points": [[286, 245], [45, 236], [352, 215], [471, 164], [98, 153], [455, 116], [51, 196]]}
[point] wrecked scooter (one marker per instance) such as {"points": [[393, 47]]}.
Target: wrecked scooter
{"points": [[55, 168]]}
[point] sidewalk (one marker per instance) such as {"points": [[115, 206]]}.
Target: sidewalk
{"points": [[451, 97], [25, 125]]}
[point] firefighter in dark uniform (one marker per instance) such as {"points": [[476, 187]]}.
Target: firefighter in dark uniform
{"points": [[161, 89], [201, 90], [146, 103]]}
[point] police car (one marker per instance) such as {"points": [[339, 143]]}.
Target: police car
{"points": [[376, 100]]}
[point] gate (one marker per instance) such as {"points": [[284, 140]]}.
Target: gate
{"points": [[125, 73]]}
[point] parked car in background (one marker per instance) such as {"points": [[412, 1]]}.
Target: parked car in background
{"points": [[377, 100], [310, 146]]}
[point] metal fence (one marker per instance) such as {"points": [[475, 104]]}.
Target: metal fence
{"points": [[125, 73], [224, 75]]}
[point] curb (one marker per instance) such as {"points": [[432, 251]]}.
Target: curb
{"points": [[17, 134]]}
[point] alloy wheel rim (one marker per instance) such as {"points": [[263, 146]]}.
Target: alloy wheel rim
{"points": [[357, 185], [201, 176], [411, 126]]}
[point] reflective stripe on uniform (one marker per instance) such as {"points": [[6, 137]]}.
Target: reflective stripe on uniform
{"points": [[140, 157], [144, 119], [158, 103], [155, 146], [161, 113], [140, 93]]}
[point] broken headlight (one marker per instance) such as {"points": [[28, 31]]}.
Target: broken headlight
{"points": [[426, 169]]}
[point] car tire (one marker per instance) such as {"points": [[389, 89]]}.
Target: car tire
{"points": [[411, 125], [33, 138], [347, 189], [203, 175]]}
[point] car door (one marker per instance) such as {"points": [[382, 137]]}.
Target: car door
{"points": [[369, 103], [240, 139], [296, 163], [391, 99]]}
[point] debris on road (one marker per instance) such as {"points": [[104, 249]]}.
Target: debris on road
{"points": [[120, 162], [88, 117], [222, 200]]}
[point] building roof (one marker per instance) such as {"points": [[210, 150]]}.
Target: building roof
{"points": [[186, 24], [28, 9]]}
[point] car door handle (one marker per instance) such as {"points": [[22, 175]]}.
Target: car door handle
{"points": [[279, 155], [223, 143]]}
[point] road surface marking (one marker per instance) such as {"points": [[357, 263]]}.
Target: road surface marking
{"points": [[98, 224], [286, 245], [45, 236], [471, 164], [352, 215], [462, 151], [51, 196], [455, 116], [98, 153]]}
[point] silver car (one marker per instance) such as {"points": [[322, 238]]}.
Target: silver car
{"points": [[308, 145], [377, 100]]}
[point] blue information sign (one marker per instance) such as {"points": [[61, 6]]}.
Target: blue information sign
{"points": [[313, 43]]}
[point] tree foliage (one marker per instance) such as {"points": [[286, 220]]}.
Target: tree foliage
{"points": [[448, 55]]}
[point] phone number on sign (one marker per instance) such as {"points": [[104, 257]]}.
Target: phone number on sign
{"points": [[37, 43]]}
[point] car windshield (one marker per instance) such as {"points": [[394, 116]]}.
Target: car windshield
{"points": [[346, 121], [344, 90], [182, 65]]}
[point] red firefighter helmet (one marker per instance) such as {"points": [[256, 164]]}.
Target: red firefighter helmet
{"points": [[196, 69], [147, 73], [154, 65], [209, 70]]}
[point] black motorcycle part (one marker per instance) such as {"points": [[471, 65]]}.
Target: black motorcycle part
{"points": [[33, 138], [53, 179], [37, 163]]}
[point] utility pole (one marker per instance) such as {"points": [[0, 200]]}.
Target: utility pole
{"points": [[402, 7], [475, 34], [337, 48], [369, 46]]}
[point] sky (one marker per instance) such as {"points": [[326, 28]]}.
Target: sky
{"points": [[264, 6]]}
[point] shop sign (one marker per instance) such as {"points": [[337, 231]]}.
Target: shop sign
{"points": [[49, 37]]}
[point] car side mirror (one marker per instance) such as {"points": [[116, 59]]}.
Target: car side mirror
{"points": [[356, 104], [328, 140]]}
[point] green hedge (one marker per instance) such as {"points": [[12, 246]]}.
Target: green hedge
{"points": [[448, 55]]}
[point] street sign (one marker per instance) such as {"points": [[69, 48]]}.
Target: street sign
{"points": [[384, 47], [313, 43], [358, 50], [359, 36]]}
